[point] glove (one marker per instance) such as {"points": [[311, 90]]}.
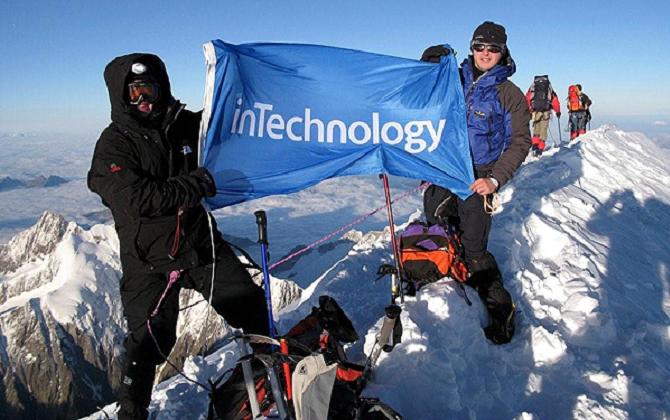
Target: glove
{"points": [[433, 54], [205, 181], [558, 115]]}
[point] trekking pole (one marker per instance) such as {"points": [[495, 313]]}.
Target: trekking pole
{"points": [[560, 138], [262, 222], [391, 317], [248, 374], [396, 287]]}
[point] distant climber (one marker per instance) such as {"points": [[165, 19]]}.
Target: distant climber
{"points": [[579, 110], [541, 100]]}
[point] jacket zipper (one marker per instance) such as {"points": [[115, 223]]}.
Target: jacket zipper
{"points": [[489, 140], [167, 140], [164, 142]]}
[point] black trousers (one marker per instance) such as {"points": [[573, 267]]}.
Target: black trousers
{"points": [[235, 297], [443, 206]]}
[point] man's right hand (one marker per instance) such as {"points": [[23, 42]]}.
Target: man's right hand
{"points": [[433, 54], [205, 181]]}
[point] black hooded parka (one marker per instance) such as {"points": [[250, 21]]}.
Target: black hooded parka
{"points": [[141, 169]]}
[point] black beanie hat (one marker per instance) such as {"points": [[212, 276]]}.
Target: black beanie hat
{"points": [[490, 33]]}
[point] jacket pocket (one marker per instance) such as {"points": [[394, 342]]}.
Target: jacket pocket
{"points": [[155, 238]]}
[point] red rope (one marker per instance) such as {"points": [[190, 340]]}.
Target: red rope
{"points": [[347, 226], [177, 235], [173, 277]]}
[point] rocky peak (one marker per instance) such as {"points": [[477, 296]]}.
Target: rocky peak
{"points": [[33, 243]]}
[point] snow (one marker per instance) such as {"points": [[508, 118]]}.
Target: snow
{"points": [[73, 265], [582, 238]]}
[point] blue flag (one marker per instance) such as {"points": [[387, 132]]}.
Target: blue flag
{"points": [[282, 117]]}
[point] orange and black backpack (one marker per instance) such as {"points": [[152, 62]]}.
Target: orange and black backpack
{"points": [[431, 252], [574, 99]]}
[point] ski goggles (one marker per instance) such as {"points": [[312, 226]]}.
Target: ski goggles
{"points": [[143, 91], [493, 49]]}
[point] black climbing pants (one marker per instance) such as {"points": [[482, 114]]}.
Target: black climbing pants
{"points": [[235, 297]]}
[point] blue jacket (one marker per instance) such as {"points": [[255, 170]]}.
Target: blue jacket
{"points": [[497, 119]]}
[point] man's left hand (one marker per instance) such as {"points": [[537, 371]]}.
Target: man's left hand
{"points": [[205, 181], [483, 186], [433, 54]]}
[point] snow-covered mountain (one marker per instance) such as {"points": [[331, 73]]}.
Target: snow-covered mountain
{"points": [[60, 323], [60, 316], [582, 239]]}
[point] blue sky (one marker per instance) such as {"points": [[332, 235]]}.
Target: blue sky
{"points": [[53, 53]]}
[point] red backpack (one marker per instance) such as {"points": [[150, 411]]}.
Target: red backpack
{"points": [[574, 99]]}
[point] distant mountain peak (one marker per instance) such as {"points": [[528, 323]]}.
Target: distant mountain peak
{"points": [[40, 181], [33, 243]]}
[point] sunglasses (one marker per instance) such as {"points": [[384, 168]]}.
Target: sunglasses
{"points": [[493, 49], [143, 91]]}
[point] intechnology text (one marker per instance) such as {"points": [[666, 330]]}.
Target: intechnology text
{"points": [[260, 122]]}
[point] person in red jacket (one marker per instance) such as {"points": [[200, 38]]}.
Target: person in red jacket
{"points": [[579, 110], [541, 100]]}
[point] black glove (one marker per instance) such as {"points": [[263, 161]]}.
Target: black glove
{"points": [[558, 115], [332, 318], [433, 54], [205, 181]]}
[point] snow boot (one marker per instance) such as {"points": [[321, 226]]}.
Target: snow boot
{"points": [[487, 280], [129, 410], [538, 146], [135, 393], [536, 152], [501, 330]]}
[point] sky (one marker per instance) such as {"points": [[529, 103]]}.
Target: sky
{"points": [[53, 53]]}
